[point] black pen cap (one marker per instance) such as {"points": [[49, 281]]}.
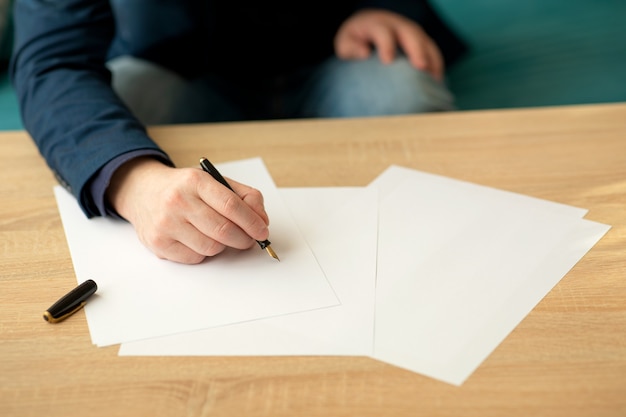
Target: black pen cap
{"points": [[71, 302]]}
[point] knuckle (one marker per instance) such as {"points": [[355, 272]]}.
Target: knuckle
{"points": [[172, 198], [254, 198], [224, 230], [256, 194], [211, 248], [184, 257], [191, 258], [162, 226], [191, 175], [231, 204], [171, 250], [158, 243]]}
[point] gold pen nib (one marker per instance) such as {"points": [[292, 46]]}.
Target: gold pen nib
{"points": [[266, 245], [272, 253]]}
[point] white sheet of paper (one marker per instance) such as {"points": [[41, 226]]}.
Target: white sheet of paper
{"points": [[140, 296], [460, 265], [340, 225]]}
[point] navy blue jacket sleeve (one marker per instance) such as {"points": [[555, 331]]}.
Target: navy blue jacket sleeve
{"points": [[63, 87]]}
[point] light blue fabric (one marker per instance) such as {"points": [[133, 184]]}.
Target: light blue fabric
{"points": [[369, 88], [337, 88]]}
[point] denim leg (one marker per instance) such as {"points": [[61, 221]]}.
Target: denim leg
{"points": [[157, 95], [351, 88]]}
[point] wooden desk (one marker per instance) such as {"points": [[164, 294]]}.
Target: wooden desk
{"points": [[567, 358]]}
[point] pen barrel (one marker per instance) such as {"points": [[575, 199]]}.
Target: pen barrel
{"points": [[210, 169]]}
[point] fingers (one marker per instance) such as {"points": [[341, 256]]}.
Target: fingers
{"points": [[384, 39], [421, 51], [236, 214], [252, 197], [387, 32], [190, 251], [351, 46], [211, 234], [184, 215], [180, 227]]}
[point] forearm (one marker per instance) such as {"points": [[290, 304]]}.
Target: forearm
{"points": [[67, 104]]}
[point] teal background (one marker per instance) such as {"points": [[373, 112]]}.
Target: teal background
{"points": [[538, 52], [9, 113], [523, 53]]}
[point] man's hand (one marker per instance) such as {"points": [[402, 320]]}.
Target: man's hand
{"points": [[184, 215], [387, 31]]}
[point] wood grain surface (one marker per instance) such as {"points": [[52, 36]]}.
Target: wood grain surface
{"points": [[567, 358]]}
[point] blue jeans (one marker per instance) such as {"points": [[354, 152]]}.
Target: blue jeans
{"points": [[336, 88]]}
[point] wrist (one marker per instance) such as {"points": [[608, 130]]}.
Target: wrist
{"points": [[128, 181]]}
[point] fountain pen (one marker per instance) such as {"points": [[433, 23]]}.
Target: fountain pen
{"points": [[208, 167]]}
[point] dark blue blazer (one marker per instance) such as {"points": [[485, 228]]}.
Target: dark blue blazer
{"points": [[61, 46]]}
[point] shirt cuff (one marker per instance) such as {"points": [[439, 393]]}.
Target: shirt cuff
{"points": [[101, 180]]}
